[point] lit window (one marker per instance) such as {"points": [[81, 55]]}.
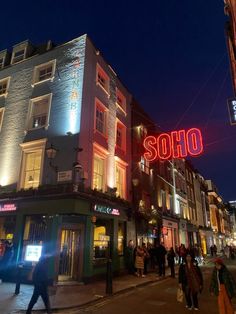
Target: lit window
{"points": [[144, 165], [102, 79], [120, 181], [121, 238], [100, 244], [44, 72], [39, 112], [120, 135], [120, 100], [18, 56], [100, 124], [1, 117], [98, 173], [4, 84], [163, 199]]}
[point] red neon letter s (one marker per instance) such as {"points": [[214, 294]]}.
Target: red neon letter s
{"points": [[164, 146], [179, 144], [194, 142], [151, 152]]}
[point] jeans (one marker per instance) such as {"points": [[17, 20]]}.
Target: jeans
{"points": [[39, 290], [191, 298]]}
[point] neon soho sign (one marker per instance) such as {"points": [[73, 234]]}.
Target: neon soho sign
{"points": [[177, 144]]}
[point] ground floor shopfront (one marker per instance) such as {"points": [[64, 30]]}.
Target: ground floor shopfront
{"points": [[79, 234], [170, 233]]}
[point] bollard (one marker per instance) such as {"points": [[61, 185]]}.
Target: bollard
{"points": [[109, 277], [18, 278]]}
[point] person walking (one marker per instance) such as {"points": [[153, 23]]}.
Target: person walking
{"points": [[190, 281], [41, 282], [161, 259], [129, 257], [139, 261], [171, 261], [223, 286]]}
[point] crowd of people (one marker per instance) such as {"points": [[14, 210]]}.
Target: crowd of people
{"points": [[144, 258]]}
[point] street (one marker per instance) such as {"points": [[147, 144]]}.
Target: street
{"points": [[158, 297]]}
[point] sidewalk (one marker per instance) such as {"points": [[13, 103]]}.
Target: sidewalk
{"points": [[69, 296]]}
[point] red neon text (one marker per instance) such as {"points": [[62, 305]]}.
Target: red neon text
{"points": [[177, 144]]}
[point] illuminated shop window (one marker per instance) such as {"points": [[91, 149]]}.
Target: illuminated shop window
{"points": [[39, 112], [7, 229], [4, 84], [35, 228], [44, 72], [101, 242], [98, 172], [18, 56], [121, 238], [120, 181], [120, 100], [102, 79], [120, 136]]}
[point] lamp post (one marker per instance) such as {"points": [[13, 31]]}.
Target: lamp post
{"points": [[135, 182]]}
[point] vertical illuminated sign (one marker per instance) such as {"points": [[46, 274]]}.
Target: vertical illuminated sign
{"points": [[232, 111]]}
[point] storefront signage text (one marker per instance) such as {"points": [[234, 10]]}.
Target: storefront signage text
{"points": [[177, 144], [106, 210], [7, 207]]}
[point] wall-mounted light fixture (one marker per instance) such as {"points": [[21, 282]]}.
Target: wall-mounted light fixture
{"points": [[51, 154]]}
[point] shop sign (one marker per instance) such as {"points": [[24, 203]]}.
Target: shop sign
{"points": [[64, 176], [106, 210], [8, 207], [177, 144], [33, 253], [232, 110]]}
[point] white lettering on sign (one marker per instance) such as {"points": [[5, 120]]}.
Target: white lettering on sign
{"points": [[107, 210], [7, 207]]}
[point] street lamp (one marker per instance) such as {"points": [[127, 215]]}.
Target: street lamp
{"points": [[51, 154]]}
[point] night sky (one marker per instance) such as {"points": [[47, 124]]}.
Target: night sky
{"points": [[171, 55]]}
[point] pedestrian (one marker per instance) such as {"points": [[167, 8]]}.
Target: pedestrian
{"points": [[139, 261], [191, 282], [41, 282], [129, 257], [231, 252], [171, 261], [223, 286], [161, 259], [214, 250], [182, 253]]}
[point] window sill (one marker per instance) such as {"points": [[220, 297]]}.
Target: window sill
{"points": [[4, 95], [121, 109], [43, 81], [40, 127], [108, 94]]}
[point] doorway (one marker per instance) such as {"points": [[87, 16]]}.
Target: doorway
{"points": [[69, 255]]}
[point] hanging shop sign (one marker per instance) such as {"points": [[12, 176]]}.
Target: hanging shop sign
{"points": [[232, 111], [177, 144], [8, 207], [33, 253], [106, 210]]}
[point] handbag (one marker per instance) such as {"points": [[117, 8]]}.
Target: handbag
{"points": [[180, 295]]}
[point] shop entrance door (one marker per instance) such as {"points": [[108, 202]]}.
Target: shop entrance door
{"points": [[69, 255]]}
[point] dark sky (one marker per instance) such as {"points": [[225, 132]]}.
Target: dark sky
{"points": [[170, 54]]}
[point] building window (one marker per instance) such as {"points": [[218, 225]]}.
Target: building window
{"points": [[144, 165], [98, 173], [1, 116], [120, 181], [39, 112], [7, 230], [44, 72], [163, 199], [102, 79], [100, 123], [4, 85], [32, 164], [120, 135], [120, 100], [101, 240], [171, 202], [18, 55]]}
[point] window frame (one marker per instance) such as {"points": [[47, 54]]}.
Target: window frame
{"points": [[101, 153], [42, 66], [27, 148], [99, 104], [8, 83], [17, 49], [2, 110], [123, 135], [122, 107], [30, 112], [106, 88], [123, 166]]}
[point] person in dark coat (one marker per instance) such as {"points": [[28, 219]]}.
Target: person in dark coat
{"points": [[41, 282], [161, 259], [171, 261], [223, 286], [191, 281], [129, 257]]}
